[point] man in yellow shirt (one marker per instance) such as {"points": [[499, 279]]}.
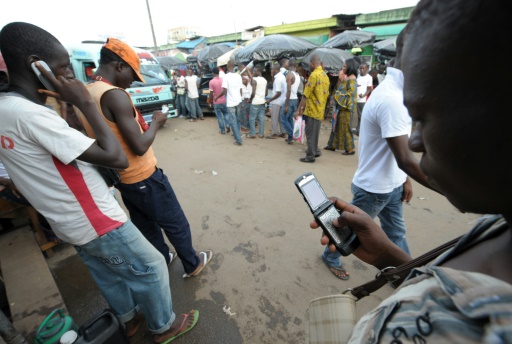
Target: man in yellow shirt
{"points": [[312, 106]]}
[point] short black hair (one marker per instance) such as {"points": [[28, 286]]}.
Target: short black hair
{"points": [[352, 66], [107, 56], [19, 40], [215, 70]]}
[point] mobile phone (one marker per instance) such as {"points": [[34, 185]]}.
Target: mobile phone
{"points": [[325, 212], [47, 84]]}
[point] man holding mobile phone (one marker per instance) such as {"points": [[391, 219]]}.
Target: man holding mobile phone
{"points": [[145, 189], [464, 296], [53, 166]]}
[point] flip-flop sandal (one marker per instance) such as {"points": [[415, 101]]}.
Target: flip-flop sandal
{"points": [[207, 254], [337, 268], [172, 255], [196, 318]]}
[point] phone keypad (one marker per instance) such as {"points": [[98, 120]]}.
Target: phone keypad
{"points": [[338, 234]]}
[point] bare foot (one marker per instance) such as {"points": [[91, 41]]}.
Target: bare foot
{"points": [[181, 325]]}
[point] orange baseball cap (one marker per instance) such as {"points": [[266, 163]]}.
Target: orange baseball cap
{"points": [[126, 53]]}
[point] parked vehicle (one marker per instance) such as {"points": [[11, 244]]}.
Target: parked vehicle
{"points": [[147, 97]]}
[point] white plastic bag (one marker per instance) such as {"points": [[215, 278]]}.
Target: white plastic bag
{"points": [[298, 129]]}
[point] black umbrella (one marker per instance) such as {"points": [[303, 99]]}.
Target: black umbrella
{"points": [[350, 38], [169, 62], [332, 59], [274, 47], [386, 47], [209, 54]]}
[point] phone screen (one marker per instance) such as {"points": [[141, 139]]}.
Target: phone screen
{"points": [[314, 193]]}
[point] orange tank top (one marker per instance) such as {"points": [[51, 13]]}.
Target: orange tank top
{"points": [[141, 167]]}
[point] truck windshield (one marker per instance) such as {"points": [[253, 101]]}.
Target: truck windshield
{"points": [[153, 74]]}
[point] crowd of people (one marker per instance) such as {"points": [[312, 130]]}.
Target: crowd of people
{"points": [[463, 296]]}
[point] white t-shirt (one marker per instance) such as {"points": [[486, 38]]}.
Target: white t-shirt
{"points": [[279, 85], [39, 149], [362, 83], [192, 86], [3, 172], [384, 116], [259, 94], [181, 81], [232, 82], [246, 90]]}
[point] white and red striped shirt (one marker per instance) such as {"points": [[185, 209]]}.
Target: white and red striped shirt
{"points": [[39, 151]]}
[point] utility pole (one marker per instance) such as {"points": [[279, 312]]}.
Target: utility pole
{"points": [[152, 30]]}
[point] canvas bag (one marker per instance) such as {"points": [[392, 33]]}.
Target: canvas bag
{"points": [[331, 319], [181, 91]]}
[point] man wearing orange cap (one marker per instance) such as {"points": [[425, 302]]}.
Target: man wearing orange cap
{"points": [[55, 167], [145, 189]]}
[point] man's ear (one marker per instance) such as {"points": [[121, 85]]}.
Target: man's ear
{"points": [[31, 59], [119, 66]]}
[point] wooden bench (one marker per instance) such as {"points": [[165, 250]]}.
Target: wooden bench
{"points": [[31, 290]]}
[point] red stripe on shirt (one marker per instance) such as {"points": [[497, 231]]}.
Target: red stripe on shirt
{"points": [[74, 179]]}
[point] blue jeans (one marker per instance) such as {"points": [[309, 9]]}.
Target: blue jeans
{"points": [[234, 119], [257, 112], [153, 206], [195, 109], [181, 104], [287, 119], [132, 275], [388, 207], [221, 111], [244, 117]]}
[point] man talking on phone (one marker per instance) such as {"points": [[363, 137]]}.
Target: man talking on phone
{"points": [[53, 166], [145, 189]]}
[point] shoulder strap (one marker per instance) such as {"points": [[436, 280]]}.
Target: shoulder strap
{"points": [[399, 273]]}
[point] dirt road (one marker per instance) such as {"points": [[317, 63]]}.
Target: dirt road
{"points": [[241, 203]]}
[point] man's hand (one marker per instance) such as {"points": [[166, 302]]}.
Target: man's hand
{"points": [[159, 118], [407, 193], [376, 248], [69, 89]]}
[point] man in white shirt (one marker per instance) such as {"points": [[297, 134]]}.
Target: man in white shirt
{"points": [[232, 89], [381, 182], [291, 100], [246, 102], [191, 84], [364, 87], [53, 166], [277, 101], [257, 111], [181, 95]]}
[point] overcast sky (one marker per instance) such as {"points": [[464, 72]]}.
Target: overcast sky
{"points": [[74, 21]]}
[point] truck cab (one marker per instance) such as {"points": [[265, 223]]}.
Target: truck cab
{"points": [[147, 97]]}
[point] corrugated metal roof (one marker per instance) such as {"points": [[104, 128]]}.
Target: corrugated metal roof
{"points": [[190, 44]]}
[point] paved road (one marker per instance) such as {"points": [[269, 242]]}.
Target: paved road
{"points": [[267, 262]]}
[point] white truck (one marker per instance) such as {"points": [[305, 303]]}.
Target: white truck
{"points": [[147, 97]]}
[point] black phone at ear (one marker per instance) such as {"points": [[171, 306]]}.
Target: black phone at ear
{"points": [[47, 84]]}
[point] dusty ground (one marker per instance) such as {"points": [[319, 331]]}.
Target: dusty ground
{"points": [[241, 203]]}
